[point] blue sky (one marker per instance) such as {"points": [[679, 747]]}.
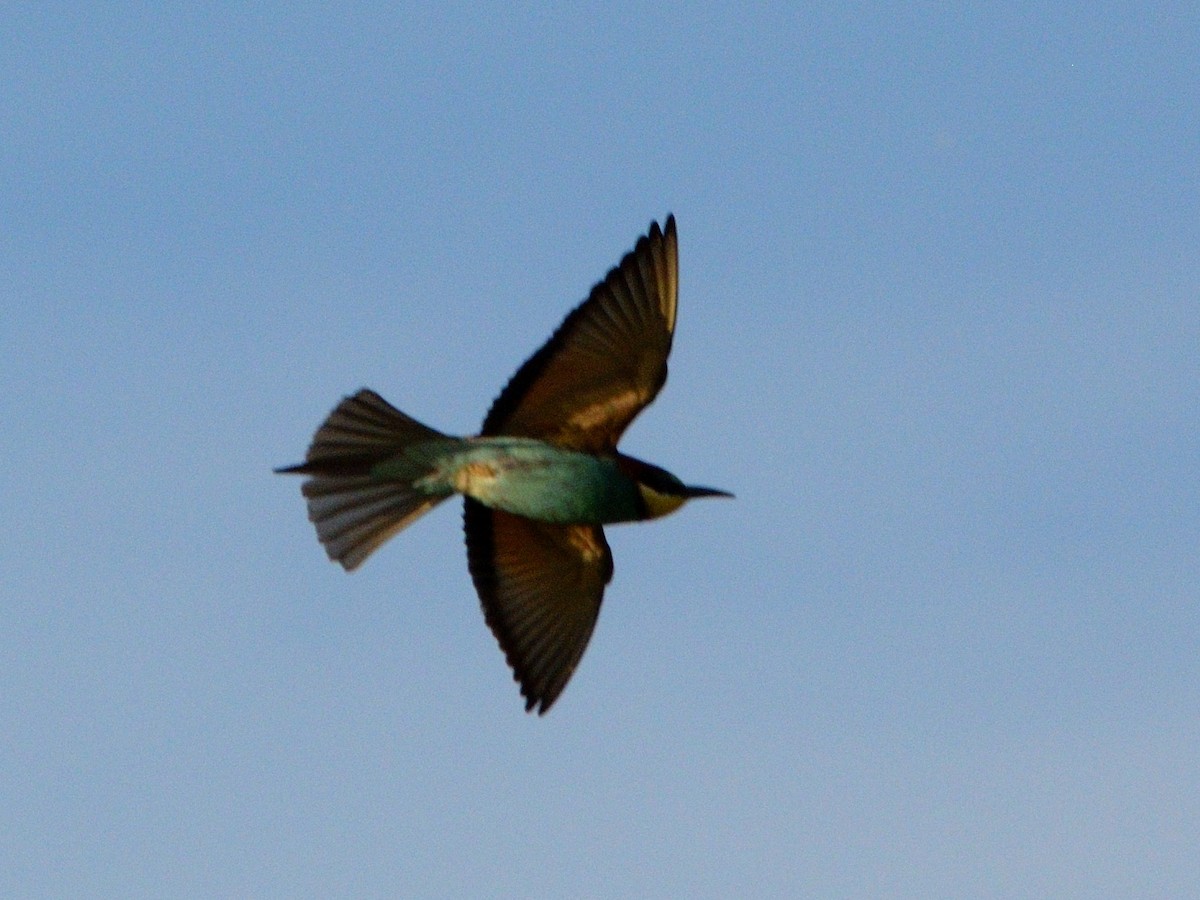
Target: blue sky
{"points": [[938, 331]]}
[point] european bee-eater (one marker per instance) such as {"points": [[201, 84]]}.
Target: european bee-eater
{"points": [[539, 482]]}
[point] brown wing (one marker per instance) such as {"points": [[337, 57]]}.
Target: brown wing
{"points": [[541, 587], [606, 361]]}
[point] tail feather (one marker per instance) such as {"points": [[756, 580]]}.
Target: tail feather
{"points": [[354, 516], [355, 512], [360, 433]]}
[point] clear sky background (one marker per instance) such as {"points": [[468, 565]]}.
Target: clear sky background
{"points": [[939, 330]]}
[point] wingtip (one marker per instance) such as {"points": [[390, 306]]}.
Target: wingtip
{"points": [[667, 228], [535, 701]]}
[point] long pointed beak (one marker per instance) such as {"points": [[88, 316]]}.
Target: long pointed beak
{"points": [[706, 492]]}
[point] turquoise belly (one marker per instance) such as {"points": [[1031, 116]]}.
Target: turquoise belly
{"points": [[538, 481]]}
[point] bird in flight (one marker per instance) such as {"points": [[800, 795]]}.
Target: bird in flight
{"points": [[540, 480]]}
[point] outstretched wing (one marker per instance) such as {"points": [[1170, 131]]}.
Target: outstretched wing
{"points": [[606, 361], [541, 587]]}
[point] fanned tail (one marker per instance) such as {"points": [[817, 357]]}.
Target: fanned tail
{"points": [[353, 507]]}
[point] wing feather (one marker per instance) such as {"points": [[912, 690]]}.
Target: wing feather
{"points": [[541, 587], [606, 361]]}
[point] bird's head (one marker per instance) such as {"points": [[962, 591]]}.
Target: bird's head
{"points": [[660, 491]]}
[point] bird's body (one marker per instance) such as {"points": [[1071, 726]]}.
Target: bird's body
{"points": [[539, 481], [522, 476]]}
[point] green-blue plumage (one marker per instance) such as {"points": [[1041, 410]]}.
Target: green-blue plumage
{"points": [[522, 476]]}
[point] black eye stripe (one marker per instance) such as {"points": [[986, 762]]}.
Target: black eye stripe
{"points": [[658, 480], [661, 482]]}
